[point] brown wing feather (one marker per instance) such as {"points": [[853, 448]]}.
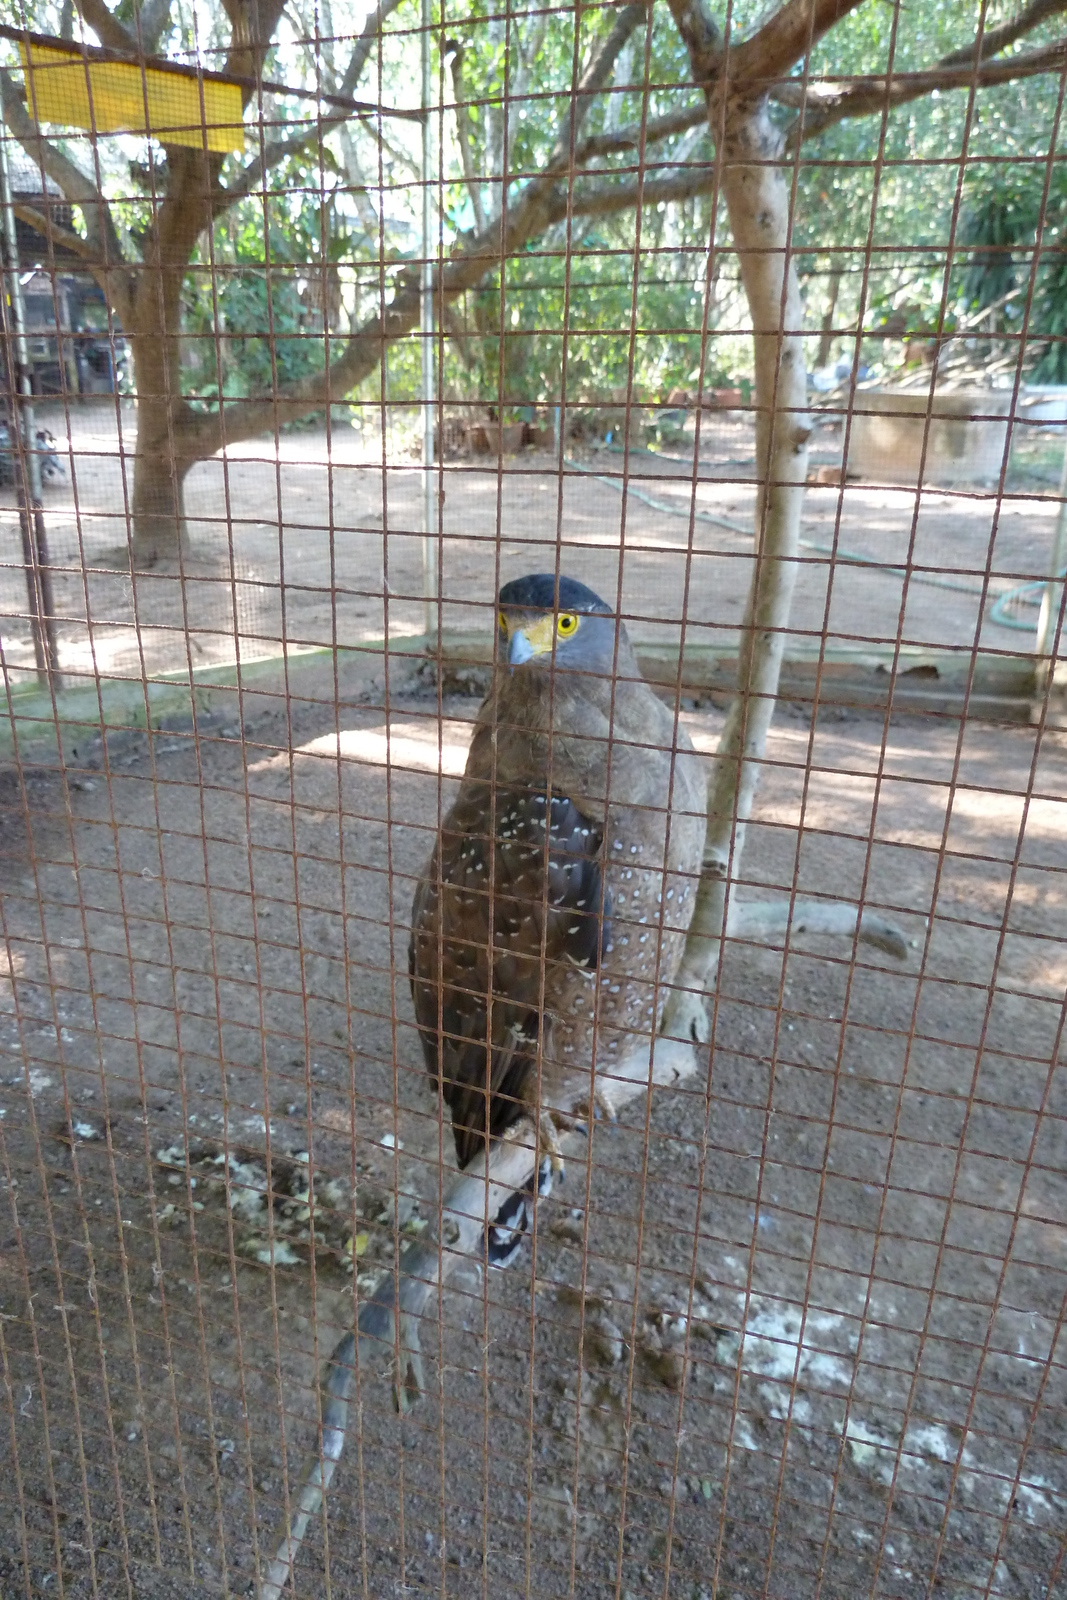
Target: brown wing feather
{"points": [[546, 891]]}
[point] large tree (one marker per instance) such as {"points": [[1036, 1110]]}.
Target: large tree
{"points": [[143, 270], [758, 97], [761, 92]]}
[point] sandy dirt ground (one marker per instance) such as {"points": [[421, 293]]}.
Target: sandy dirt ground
{"points": [[312, 540], [795, 1329]]}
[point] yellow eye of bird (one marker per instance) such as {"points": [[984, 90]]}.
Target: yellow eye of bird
{"points": [[567, 625], [503, 622]]}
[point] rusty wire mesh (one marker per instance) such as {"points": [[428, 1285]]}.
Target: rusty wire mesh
{"points": [[795, 1328]]}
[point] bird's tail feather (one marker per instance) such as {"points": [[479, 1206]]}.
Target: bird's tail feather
{"points": [[503, 1238]]}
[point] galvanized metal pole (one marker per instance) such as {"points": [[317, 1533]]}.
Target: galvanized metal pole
{"points": [[429, 517], [1052, 599], [24, 453]]}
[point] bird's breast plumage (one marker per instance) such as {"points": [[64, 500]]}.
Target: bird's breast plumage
{"points": [[552, 915]]}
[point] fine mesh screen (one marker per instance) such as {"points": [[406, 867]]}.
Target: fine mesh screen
{"points": [[476, 300]]}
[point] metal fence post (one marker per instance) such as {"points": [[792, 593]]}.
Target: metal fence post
{"points": [[26, 462]]}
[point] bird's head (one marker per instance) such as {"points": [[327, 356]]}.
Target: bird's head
{"points": [[558, 623]]}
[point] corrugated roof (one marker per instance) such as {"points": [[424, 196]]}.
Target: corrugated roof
{"points": [[26, 175]]}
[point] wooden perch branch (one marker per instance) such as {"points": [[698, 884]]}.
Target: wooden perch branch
{"points": [[389, 1320], [762, 919]]}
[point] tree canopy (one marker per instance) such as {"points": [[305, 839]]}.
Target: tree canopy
{"points": [[577, 197]]}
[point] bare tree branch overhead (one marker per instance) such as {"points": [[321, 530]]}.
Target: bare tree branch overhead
{"points": [[366, 45], [454, 52], [655, 129], [993, 40], [63, 237], [107, 27], [784, 39], [151, 20], [528, 215], [251, 179], [510, 211], [866, 97]]}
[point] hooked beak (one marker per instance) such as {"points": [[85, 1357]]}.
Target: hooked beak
{"points": [[519, 649], [534, 637]]}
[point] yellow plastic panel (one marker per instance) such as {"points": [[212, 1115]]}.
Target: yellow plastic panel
{"points": [[121, 97]]}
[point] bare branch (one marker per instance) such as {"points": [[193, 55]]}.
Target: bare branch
{"points": [[994, 40], [107, 27], [531, 213], [609, 200], [596, 76], [57, 235], [463, 135], [656, 128], [152, 19], [144, 35], [864, 97], [785, 39], [372, 30], [358, 187], [521, 66], [765, 921], [253, 175], [536, 195]]}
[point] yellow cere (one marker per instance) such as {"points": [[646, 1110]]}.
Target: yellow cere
{"points": [[541, 631]]}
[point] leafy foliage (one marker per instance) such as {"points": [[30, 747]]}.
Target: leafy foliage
{"points": [[267, 307], [876, 209], [1005, 215]]}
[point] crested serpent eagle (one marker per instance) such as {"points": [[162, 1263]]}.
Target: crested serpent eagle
{"points": [[550, 919]]}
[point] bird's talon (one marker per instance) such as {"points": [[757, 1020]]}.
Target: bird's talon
{"points": [[604, 1105], [548, 1140], [600, 1108]]}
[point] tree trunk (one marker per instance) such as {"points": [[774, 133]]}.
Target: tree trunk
{"points": [[158, 531], [757, 202], [167, 430], [163, 455]]}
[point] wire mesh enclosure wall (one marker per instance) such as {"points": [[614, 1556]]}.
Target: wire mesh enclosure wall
{"points": [[533, 859]]}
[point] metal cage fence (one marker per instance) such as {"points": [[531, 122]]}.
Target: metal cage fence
{"points": [[319, 329]]}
